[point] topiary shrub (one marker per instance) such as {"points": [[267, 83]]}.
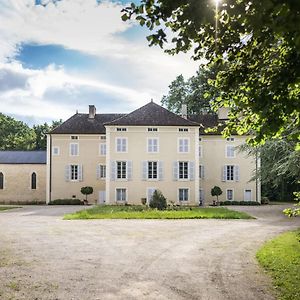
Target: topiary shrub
{"points": [[158, 200], [86, 190], [216, 191]]}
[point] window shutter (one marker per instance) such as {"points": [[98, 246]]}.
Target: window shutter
{"points": [[224, 170], [160, 170], [67, 172], [129, 169], [113, 171], [191, 170], [144, 170], [237, 173], [175, 170], [80, 173], [98, 172]]}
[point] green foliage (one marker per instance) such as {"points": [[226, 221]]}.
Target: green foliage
{"points": [[261, 39], [142, 212], [144, 201], [2, 208], [66, 202], [294, 211], [15, 135], [86, 190], [216, 191], [281, 258], [247, 203], [158, 200]]}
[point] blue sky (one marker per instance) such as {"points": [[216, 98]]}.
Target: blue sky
{"points": [[57, 57]]}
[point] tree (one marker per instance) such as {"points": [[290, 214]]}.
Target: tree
{"points": [[86, 190], [216, 191], [158, 200], [15, 135], [259, 41]]}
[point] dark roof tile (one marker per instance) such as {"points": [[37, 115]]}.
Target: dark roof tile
{"points": [[23, 157]]}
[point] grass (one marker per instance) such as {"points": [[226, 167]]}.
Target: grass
{"points": [[7, 207], [141, 212], [280, 257]]}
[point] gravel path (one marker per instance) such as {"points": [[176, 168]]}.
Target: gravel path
{"points": [[45, 257]]}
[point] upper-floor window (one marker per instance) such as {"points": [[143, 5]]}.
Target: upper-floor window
{"points": [[74, 137], [74, 149], [102, 149], [231, 173], [183, 170], [33, 181], [183, 145], [55, 150], [183, 129], [201, 171], [74, 172], [152, 145], [121, 129], [1, 181], [230, 151], [152, 170], [183, 194], [121, 144], [152, 129], [101, 171], [230, 139], [102, 137], [121, 170]]}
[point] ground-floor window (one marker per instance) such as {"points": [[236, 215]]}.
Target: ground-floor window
{"points": [[248, 195], [33, 181], [1, 181], [229, 194], [121, 195], [183, 194]]}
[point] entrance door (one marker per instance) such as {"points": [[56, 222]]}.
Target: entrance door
{"points": [[102, 196], [248, 195]]}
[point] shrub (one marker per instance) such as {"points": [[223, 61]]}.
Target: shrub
{"points": [[265, 200], [253, 203], [66, 202], [86, 190], [144, 201], [216, 191], [158, 200]]}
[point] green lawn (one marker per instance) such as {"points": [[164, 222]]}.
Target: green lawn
{"points": [[281, 259], [7, 207], [141, 212]]}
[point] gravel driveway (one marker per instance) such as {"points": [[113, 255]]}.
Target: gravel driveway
{"points": [[45, 257]]}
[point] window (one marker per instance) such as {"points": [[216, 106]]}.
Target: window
{"points": [[230, 151], [55, 150], [201, 197], [121, 195], [200, 151], [74, 137], [183, 129], [200, 139], [1, 181], [248, 195], [183, 170], [183, 195], [33, 181], [121, 144], [230, 139], [152, 129], [74, 149], [231, 173], [152, 170], [229, 194], [201, 171], [121, 129], [152, 145], [121, 169], [74, 172], [183, 145], [102, 149]]}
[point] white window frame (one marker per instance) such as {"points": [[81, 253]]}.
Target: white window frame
{"points": [[71, 144], [227, 151], [121, 162], [122, 139], [227, 190], [233, 171], [102, 149], [184, 145], [250, 195], [116, 194], [57, 148], [102, 171], [188, 171], [71, 172], [157, 170], [151, 149], [188, 195]]}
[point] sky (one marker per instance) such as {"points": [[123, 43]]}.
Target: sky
{"points": [[59, 56]]}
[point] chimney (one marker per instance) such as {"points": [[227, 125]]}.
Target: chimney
{"points": [[223, 113], [92, 111], [184, 111]]}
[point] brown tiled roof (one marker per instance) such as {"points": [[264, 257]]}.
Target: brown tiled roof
{"points": [[81, 124], [151, 114], [208, 121]]}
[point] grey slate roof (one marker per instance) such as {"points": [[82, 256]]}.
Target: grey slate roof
{"points": [[151, 114], [23, 157], [81, 124]]}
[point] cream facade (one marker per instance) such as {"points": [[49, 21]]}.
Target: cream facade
{"points": [[126, 157]]}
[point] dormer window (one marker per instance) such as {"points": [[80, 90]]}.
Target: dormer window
{"points": [[121, 129], [74, 137], [183, 129]]}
